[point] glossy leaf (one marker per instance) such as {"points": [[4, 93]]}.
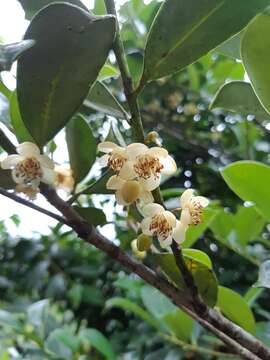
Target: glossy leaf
{"points": [[195, 232], [82, 147], [231, 47], [255, 51], [198, 255], [54, 77], [101, 99], [92, 215], [107, 72], [99, 342], [61, 343], [128, 305], [31, 7], [19, 128], [264, 275], [157, 304], [239, 97], [252, 295], [234, 307], [184, 31], [204, 277], [10, 53], [250, 181]]}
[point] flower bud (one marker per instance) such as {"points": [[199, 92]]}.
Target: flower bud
{"points": [[136, 252], [130, 191], [144, 242], [153, 137]]}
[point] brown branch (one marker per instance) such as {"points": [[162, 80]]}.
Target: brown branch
{"points": [[31, 205], [236, 338]]}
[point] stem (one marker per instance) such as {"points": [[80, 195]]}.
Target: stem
{"points": [[130, 92], [199, 306]]}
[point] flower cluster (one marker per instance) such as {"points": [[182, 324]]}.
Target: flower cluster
{"points": [[137, 170]]}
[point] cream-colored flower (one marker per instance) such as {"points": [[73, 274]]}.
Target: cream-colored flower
{"points": [[138, 161], [128, 191], [29, 167], [191, 213], [192, 207], [64, 178], [160, 223]]}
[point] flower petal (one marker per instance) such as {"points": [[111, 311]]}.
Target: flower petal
{"points": [[49, 176], [127, 172], [152, 209], [169, 165], [17, 178], [103, 160], [170, 218], [202, 200], [135, 149], [165, 242], [107, 146], [150, 184], [115, 183], [119, 198], [185, 217], [158, 152], [186, 197], [28, 149], [146, 196], [145, 226], [179, 232], [11, 161], [45, 161]]}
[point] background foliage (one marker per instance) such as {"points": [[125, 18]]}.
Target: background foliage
{"points": [[62, 299]]}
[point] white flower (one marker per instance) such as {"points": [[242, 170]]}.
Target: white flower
{"points": [[29, 167], [192, 207], [160, 223], [128, 191], [137, 161], [191, 213], [64, 179]]}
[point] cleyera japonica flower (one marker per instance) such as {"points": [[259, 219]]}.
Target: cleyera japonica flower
{"points": [[160, 223], [29, 168], [191, 213], [138, 162], [128, 191]]}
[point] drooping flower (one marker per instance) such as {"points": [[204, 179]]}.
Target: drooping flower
{"points": [[128, 191], [29, 167], [191, 213], [160, 223], [115, 156]]}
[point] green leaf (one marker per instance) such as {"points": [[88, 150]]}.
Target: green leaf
{"points": [[101, 99], [93, 215], [99, 342], [231, 47], [250, 181], [264, 275], [107, 72], [82, 147], [62, 343], [11, 52], [180, 324], [204, 277], [128, 305], [252, 295], [255, 55], [263, 332], [19, 128], [198, 255], [195, 232], [54, 77], [4, 90], [99, 186], [184, 31], [235, 308], [31, 7], [239, 97]]}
